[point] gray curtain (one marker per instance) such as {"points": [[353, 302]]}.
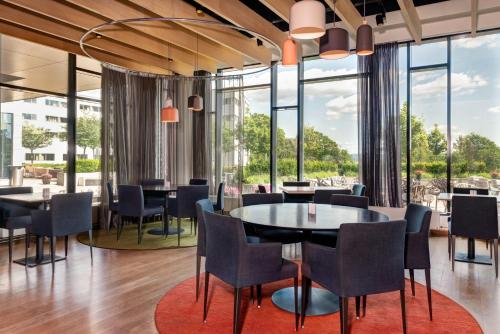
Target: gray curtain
{"points": [[379, 117]]}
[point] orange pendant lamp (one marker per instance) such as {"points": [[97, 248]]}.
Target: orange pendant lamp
{"points": [[289, 52], [169, 114]]}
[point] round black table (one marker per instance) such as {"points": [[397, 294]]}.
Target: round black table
{"points": [[307, 217]]}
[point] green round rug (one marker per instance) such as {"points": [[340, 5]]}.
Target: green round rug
{"points": [[128, 238]]}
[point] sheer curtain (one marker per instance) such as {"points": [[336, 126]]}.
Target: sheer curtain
{"points": [[379, 117]]}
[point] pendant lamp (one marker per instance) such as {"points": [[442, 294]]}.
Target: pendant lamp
{"points": [[169, 114], [335, 43], [195, 101], [364, 37], [289, 52], [307, 19]]}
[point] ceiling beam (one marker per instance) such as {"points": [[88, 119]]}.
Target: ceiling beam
{"points": [[224, 36], [36, 22], [347, 13], [474, 6], [239, 14], [165, 31], [280, 7], [27, 34], [413, 23], [83, 19]]}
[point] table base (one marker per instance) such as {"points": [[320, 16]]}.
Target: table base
{"points": [[159, 231], [478, 259], [33, 262], [321, 301]]}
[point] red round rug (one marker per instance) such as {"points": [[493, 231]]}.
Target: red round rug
{"points": [[178, 312]]}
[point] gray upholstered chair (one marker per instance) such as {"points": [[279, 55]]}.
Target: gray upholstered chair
{"points": [[184, 205], [354, 269], [262, 189], [198, 182], [241, 264], [358, 190], [132, 208], [69, 214], [474, 217], [297, 198], [14, 216], [322, 196], [112, 205], [152, 199], [219, 204]]}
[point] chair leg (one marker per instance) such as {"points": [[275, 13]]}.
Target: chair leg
{"points": [[495, 255], [191, 220], [453, 239], [259, 295], [429, 290], [198, 264], [11, 241], [358, 304], [205, 296], [110, 218], [449, 246], [236, 313], [345, 314], [52, 253], [296, 301], [26, 246], [341, 314], [491, 248], [303, 307], [403, 309], [251, 294], [139, 231], [364, 305], [91, 242], [178, 232], [66, 245], [119, 227], [412, 281], [195, 226]]}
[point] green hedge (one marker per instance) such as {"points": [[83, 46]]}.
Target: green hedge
{"points": [[82, 166], [458, 168], [289, 167]]}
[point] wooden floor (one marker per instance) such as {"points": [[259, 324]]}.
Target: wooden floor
{"points": [[118, 294]]}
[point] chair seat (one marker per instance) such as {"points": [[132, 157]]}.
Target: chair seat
{"points": [[18, 222], [153, 210], [283, 236], [325, 238]]}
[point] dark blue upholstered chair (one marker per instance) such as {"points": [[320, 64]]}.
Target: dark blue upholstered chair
{"points": [[474, 217], [151, 199], [219, 205], [184, 205], [69, 214], [198, 182], [262, 189], [132, 208], [358, 190], [112, 205], [241, 264], [354, 269], [289, 198], [322, 196], [14, 216]]}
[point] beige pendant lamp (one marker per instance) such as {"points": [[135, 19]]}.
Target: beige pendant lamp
{"points": [[307, 19], [335, 43], [289, 52], [195, 101], [364, 37], [169, 114]]}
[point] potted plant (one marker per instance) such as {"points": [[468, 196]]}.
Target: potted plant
{"points": [[46, 178], [418, 174], [494, 174]]}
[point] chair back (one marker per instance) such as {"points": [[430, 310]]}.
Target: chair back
{"points": [[474, 217], [323, 196], [370, 258], [350, 200], [358, 190], [187, 196], [225, 237], [418, 218], [296, 184], [262, 189], [219, 206], [109, 187], [467, 191], [15, 190], [8, 209], [131, 200], [71, 213], [255, 199], [198, 182], [418, 221], [152, 182], [203, 205]]}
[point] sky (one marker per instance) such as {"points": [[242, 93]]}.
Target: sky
{"points": [[331, 107]]}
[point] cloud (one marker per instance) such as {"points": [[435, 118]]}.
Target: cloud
{"points": [[489, 41], [461, 83], [495, 109], [340, 105]]}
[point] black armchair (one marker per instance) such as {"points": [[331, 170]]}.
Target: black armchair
{"points": [[132, 208], [184, 205], [353, 269], [152, 199], [219, 205], [474, 217], [358, 190], [14, 216], [323, 196], [69, 214], [240, 264], [262, 189], [112, 205], [198, 182]]}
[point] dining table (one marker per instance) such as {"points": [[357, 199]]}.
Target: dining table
{"points": [[470, 256], [161, 191], [306, 217], [305, 191]]}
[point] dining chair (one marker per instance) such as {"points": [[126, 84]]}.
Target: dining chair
{"points": [[219, 204], [132, 208], [240, 264], [112, 205], [184, 205], [354, 269], [467, 191], [296, 184], [297, 198], [151, 199], [322, 196], [358, 190], [14, 216], [474, 217], [198, 182], [69, 214], [262, 189]]}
